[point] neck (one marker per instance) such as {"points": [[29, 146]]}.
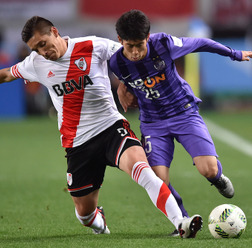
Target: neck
{"points": [[64, 45]]}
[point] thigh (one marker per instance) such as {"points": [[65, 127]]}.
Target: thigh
{"points": [[119, 138], [130, 157], [87, 163], [158, 143], [192, 133], [86, 168]]}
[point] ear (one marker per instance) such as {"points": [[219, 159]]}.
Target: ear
{"points": [[55, 31], [120, 39], [148, 37]]}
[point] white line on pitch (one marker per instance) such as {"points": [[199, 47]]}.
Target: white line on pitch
{"points": [[229, 138]]}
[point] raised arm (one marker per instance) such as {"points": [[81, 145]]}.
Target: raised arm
{"points": [[185, 45], [6, 76]]}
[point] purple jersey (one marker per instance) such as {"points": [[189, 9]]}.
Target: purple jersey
{"points": [[161, 92]]}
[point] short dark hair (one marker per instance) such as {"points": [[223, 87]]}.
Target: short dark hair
{"points": [[133, 25], [36, 23]]}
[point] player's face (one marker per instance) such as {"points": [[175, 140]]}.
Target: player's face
{"points": [[134, 50], [49, 46]]}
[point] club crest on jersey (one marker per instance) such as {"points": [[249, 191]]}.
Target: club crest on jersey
{"points": [[81, 63], [159, 64], [69, 179]]}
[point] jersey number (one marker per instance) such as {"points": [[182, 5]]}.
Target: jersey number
{"points": [[122, 131], [150, 93], [147, 144]]}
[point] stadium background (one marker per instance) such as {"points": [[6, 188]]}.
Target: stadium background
{"points": [[221, 83]]}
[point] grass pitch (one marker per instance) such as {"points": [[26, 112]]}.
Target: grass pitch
{"points": [[36, 210]]}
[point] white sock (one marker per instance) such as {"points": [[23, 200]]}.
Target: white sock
{"points": [[158, 192], [94, 220]]}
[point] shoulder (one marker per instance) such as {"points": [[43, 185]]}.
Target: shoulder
{"points": [[80, 39], [161, 41], [157, 38], [33, 55], [100, 45], [32, 59], [94, 39], [116, 61], [117, 55]]}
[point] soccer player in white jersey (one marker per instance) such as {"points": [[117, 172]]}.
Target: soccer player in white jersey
{"points": [[93, 132]]}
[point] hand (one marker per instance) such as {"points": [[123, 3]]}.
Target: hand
{"points": [[6, 76], [246, 55], [126, 99]]}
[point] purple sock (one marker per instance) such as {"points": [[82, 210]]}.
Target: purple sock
{"points": [[178, 200], [219, 173]]}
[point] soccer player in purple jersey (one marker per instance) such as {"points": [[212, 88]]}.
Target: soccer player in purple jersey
{"points": [[168, 106]]}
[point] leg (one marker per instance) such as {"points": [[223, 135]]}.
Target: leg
{"points": [[157, 190], [85, 175], [163, 173], [210, 167], [197, 141], [159, 148], [130, 157], [89, 214], [206, 165], [178, 200], [87, 204]]}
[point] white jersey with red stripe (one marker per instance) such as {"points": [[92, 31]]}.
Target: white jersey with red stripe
{"points": [[78, 85]]}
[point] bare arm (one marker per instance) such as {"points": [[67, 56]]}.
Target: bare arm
{"points": [[6, 76], [246, 55], [126, 99]]}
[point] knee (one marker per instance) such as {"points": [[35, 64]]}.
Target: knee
{"points": [[211, 171], [207, 166]]}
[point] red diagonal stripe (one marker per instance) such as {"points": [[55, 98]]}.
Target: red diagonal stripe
{"points": [[164, 194]]}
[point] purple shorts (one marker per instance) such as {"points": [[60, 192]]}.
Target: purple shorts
{"points": [[188, 129]]}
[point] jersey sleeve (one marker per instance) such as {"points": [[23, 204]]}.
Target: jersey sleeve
{"points": [[113, 64], [106, 48], [185, 45], [25, 69]]}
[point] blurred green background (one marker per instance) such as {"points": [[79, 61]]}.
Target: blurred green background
{"points": [[36, 210]]}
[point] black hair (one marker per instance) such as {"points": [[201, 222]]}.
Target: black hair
{"points": [[36, 23], [133, 25]]}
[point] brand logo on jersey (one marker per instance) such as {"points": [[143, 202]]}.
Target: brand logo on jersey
{"points": [[50, 74], [159, 64], [81, 63], [148, 85], [149, 82], [69, 179], [70, 86], [126, 76]]}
